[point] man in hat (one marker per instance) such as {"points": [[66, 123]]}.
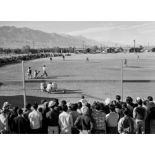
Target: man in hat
{"points": [[52, 118]]}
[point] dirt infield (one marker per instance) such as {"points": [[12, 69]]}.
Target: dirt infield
{"points": [[97, 79]]}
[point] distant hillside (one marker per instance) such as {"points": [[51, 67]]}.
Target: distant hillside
{"points": [[12, 37]]}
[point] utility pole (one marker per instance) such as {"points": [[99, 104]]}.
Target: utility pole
{"points": [[122, 63], [134, 42], [24, 91]]}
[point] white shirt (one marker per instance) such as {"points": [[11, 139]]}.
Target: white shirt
{"points": [[54, 85], [3, 122], [65, 122], [49, 87], [35, 118], [44, 68]]}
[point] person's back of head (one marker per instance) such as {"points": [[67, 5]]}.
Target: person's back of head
{"points": [[15, 109], [150, 98], [73, 107], [35, 106], [126, 112], [124, 105], [128, 100], [56, 101], [145, 102], [118, 97], [20, 111], [102, 107], [40, 109], [64, 108], [82, 97], [118, 106], [63, 102], [28, 106], [112, 107], [97, 106], [140, 102], [114, 102]]}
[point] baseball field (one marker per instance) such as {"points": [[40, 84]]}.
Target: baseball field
{"points": [[97, 79]]}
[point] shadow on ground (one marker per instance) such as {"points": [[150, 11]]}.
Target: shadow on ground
{"points": [[18, 100]]}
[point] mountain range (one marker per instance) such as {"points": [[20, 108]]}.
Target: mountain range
{"points": [[13, 37]]}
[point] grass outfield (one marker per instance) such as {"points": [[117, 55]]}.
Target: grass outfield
{"points": [[97, 79]]}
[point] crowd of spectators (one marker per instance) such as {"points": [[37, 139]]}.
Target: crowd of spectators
{"points": [[54, 117]]}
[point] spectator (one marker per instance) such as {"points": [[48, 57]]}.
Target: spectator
{"points": [[126, 124], [35, 118], [63, 102], [20, 123], [83, 100], [79, 106], [139, 114], [45, 108], [11, 117], [129, 104], [74, 115], [150, 103], [119, 110], [99, 119], [65, 121], [151, 121], [4, 118], [4, 122], [112, 120], [84, 122], [26, 116], [52, 118], [107, 101], [118, 99]]}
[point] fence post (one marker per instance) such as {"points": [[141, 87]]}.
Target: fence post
{"points": [[122, 79], [24, 91]]}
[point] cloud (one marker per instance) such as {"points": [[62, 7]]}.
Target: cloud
{"points": [[120, 32], [121, 27]]}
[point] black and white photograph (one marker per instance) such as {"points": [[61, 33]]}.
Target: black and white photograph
{"points": [[77, 77]]}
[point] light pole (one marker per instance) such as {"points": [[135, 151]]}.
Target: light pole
{"points": [[134, 41]]}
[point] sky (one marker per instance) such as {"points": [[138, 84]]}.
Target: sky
{"points": [[122, 32]]}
